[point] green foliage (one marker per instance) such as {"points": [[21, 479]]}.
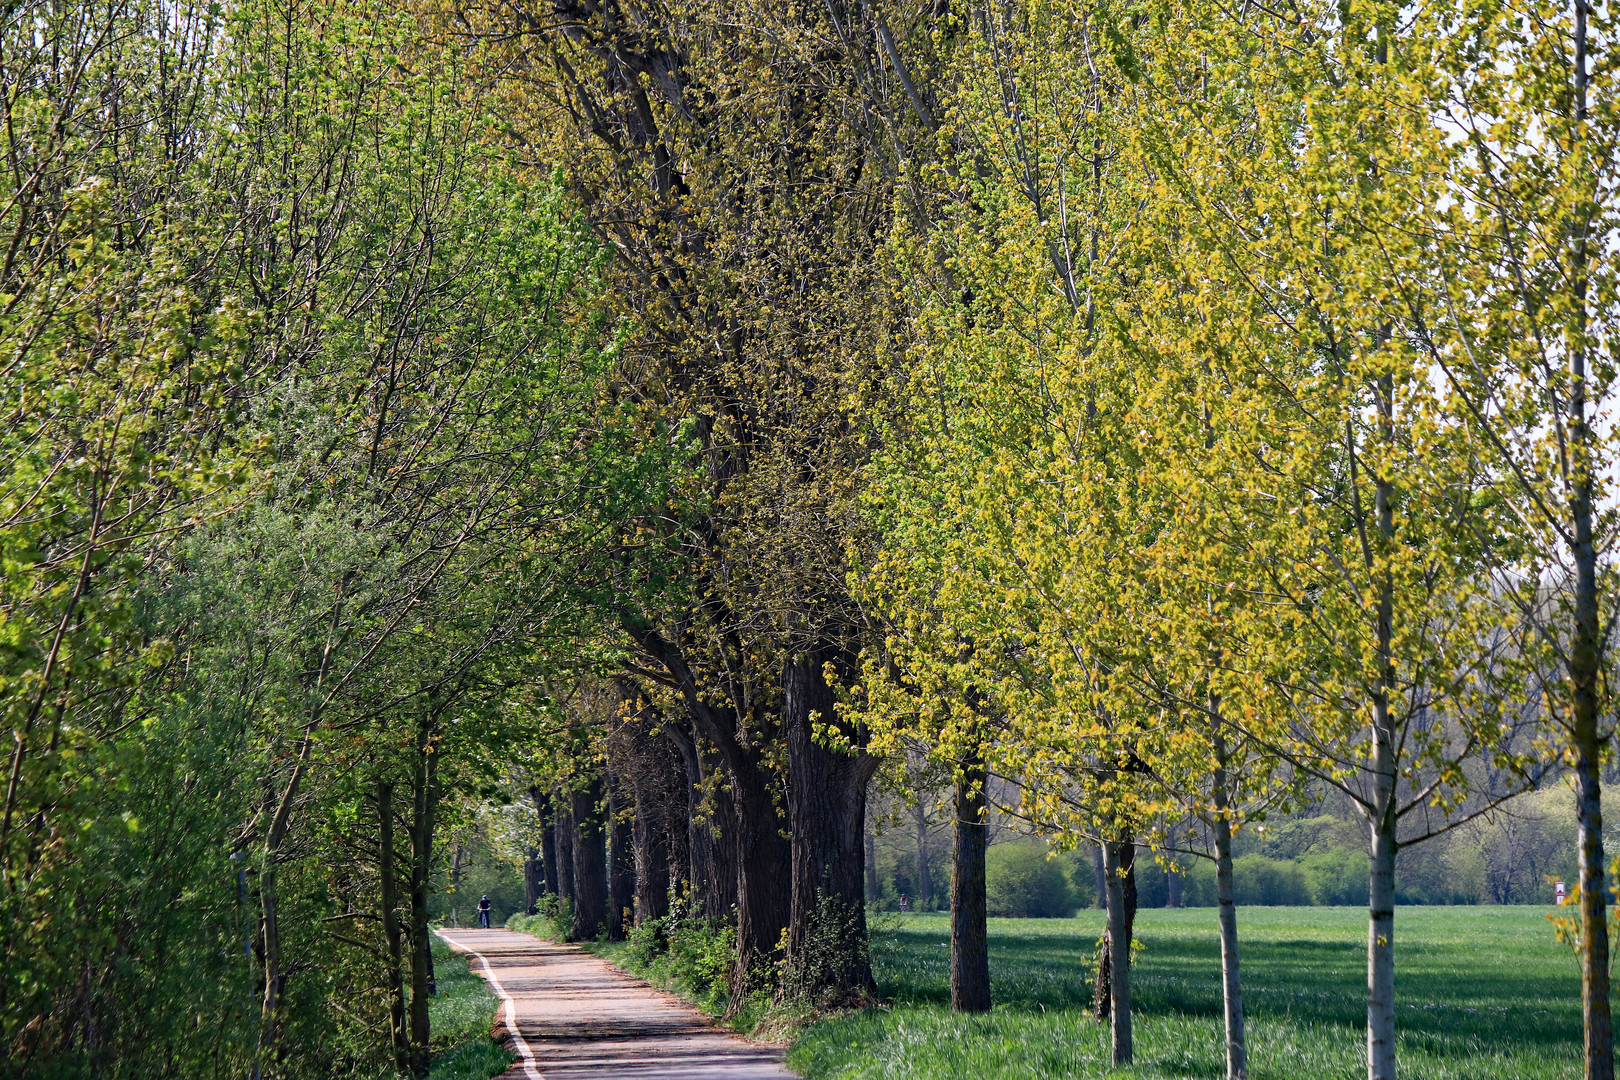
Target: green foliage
{"points": [[1336, 877], [689, 955], [1494, 999], [305, 423], [1022, 881], [553, 920]]}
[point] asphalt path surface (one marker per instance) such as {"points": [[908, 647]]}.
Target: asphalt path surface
{"points": [[569, 1016]]}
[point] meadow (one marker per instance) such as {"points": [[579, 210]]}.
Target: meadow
{"points": [[1485, 993]]}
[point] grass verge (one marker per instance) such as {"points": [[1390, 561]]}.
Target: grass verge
{"points": [[461, 1014], [1483, 993]]}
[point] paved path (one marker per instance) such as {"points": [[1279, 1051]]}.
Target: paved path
{"points": [[569, 1016]]}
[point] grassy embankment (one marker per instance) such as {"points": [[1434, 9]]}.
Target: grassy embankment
{"points": [[1483, 993], [461, 1014]]}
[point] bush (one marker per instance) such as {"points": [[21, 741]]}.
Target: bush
{"points": [[555, 921], [1337, 876], [1263, 881], [1022, 883]]}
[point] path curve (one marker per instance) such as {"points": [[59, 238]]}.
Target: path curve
{"points": [[570, 1016]]}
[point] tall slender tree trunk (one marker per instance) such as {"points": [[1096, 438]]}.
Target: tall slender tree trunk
{"points": [[1381, 952], [1101, 875], [1237, 1053], [533, 879], [826, 953], [393, 938], [709, 899], [590, 861], [622, 872], [1118, 946], [563, 818], [1586, 661], [424, 793], [1125, 870], [651, 839], [548, 837], [970, 944], [1383, 765]]}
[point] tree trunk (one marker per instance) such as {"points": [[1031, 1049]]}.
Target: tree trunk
{"points": [[827, 954], [1237, 1053], [533, 880], [764, 868], [1101, 876], [970, 946], [424, 780], [1381, 953], [925, 887], [709, 898], [590, 861], [1594, 917], [548, 837], [622, 875], [1126, 872], [563, 819], [1381, 814], [269, 1006], [399, 1037], [1118, 946], [651, 855], [1586, 662]]}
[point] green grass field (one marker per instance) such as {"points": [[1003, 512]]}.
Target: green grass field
{"points": [[1484, 993]]}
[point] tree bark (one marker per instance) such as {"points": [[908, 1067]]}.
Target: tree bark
{"points": [[424, 782], [1381, 814], [563, 820], [1101, 876], [714, 889], [1586, 662], [548, 837], [622, 873], [970, 945], [533, 880], [764, 867], [1125, 869], [590, 861], [1118, 946], [1237, 1053], [393, 938], [652, 869], [827, 955], [1381, 953]]}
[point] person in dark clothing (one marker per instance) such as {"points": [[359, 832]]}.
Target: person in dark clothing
{"points": [[483, 912]]}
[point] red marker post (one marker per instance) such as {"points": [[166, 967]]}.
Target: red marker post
{"points": [[1558, 893]]}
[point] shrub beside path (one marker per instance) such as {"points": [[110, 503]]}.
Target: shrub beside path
{"points": [[570, 1016]]}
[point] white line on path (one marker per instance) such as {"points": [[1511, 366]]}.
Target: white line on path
{"points": [[524, 1052]]}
